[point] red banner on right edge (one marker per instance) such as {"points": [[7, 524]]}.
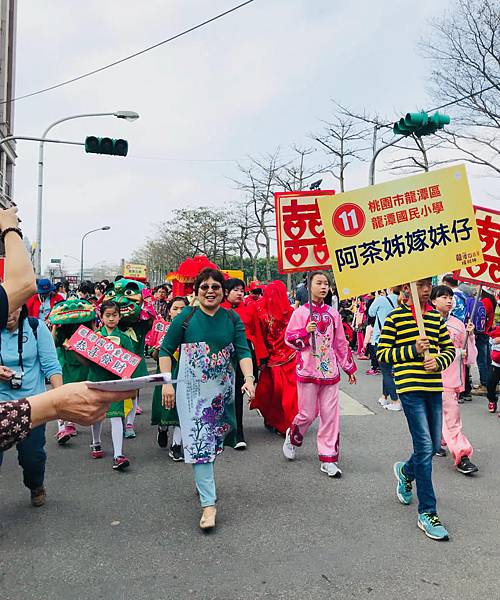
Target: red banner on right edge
{"points": [[487, 273]]}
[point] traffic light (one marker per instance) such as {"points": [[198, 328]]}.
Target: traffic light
{"points": [[420, 124], [106, 145]]}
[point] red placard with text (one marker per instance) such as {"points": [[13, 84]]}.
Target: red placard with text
{"points": [[157, 332], [301, 238], [104, 352], [488, 227]]}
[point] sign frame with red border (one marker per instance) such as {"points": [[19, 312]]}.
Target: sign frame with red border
{"points": [[326, 266]]}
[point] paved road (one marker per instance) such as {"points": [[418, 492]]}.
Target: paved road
{"points": [[285, 530]]}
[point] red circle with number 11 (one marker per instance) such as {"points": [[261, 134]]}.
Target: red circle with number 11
{"points": [[348, 219]]}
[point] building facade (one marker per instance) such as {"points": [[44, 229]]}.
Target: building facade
{"points": [[8, 14]]}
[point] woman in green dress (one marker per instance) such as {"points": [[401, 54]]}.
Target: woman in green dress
{"points": [[211, 341]]}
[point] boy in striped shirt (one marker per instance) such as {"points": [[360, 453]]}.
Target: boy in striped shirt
{"points": [[419, 386]]}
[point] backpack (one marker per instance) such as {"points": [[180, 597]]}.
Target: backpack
{"points": [[460, 305], [479, 319]]}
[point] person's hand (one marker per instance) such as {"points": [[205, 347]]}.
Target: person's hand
{"points": [[168, 395], [76, 402], [248, 388], [469, 327], [311, 326], [422, 344], [430, 364], [352, 378], [9, 218], [5, 373]]}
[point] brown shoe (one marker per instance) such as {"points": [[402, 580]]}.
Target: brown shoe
{"points": [[38, 496], [207, 520], [479, 391]]}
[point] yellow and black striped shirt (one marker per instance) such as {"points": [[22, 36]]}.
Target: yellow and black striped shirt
{"points": [[397, 346]]}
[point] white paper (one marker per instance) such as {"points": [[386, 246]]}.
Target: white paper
{"points": [[117, 385]]}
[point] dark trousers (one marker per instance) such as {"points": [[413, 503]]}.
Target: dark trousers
{"points": [[423, 411], [467, 383], [483, 357], [372, 353], [32, 458], [238, 394], [493, 380], [388, 385]]}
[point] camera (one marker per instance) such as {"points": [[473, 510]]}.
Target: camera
{"points": [[16, 380]]}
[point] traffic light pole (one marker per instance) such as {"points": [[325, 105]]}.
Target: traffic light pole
{"points": [[371, 176], [38, 247]]}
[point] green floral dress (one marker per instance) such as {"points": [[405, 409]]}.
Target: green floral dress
{"points": [[210, 346]]}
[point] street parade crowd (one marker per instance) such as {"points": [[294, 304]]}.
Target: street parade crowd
{"points": [[224, 343]]}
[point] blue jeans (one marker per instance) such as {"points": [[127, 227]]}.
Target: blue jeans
{"points": [[205, 483], [423, 412], [388, 385], [483, 357], [32, 458]]}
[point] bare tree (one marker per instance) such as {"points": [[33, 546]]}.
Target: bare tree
{"points": [[258, 182], [344, 140], [465, 52]]}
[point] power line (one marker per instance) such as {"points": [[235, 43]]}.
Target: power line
{"points": [[130, 56], [486, 89], [465, 97]]}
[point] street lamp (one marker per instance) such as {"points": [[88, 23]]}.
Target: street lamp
{"points": [[127, 115], [105, 228]]}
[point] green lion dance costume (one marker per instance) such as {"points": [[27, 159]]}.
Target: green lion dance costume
{"points": [[136, 318], [68, 315]]}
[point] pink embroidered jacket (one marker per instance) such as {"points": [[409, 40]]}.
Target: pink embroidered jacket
{"points": [[332, 348], [454, 375]]}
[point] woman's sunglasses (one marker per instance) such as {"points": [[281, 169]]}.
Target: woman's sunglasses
{"points": [[215, 287]]}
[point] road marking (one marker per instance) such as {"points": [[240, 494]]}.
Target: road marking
{"points": [[351, 407]]}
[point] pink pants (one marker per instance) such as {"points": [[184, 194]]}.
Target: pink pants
{"points": [[456, 441], [360, 337], [317, 399]]}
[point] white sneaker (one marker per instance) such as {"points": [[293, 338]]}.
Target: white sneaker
{"points": [[393, 406], [288, 448], [383, 401], [331, 469]]}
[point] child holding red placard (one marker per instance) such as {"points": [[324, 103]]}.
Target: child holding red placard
{"points": [[110, 316]]}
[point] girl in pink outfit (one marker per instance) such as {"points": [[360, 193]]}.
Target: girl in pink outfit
{"points": [[318, 374], [454, 379]]}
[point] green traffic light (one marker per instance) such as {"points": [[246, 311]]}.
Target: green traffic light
{"points": [[106, 145], [420, 124]]}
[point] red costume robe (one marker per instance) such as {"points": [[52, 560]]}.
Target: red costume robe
{"points": [[276, 393]]}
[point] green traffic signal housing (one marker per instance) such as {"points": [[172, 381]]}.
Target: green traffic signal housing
{"points": [[420, 124], [106, 145]]}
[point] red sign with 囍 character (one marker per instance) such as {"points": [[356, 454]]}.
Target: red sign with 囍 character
{"points": [[157, 332], [301, 238], [104, 352], [488, 272]]}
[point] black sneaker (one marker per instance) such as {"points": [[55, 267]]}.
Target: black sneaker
{"points": [[175, 453], [162, 437], [466, 467], [441, 452]]}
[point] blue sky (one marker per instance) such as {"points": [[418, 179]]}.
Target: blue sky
{"points": [[260, 78]]}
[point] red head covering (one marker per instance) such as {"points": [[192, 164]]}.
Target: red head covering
{"points": [[276, 300]]}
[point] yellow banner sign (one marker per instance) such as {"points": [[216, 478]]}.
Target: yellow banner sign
{"points": [[401, 231], [234, 273], [135, 271]]}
